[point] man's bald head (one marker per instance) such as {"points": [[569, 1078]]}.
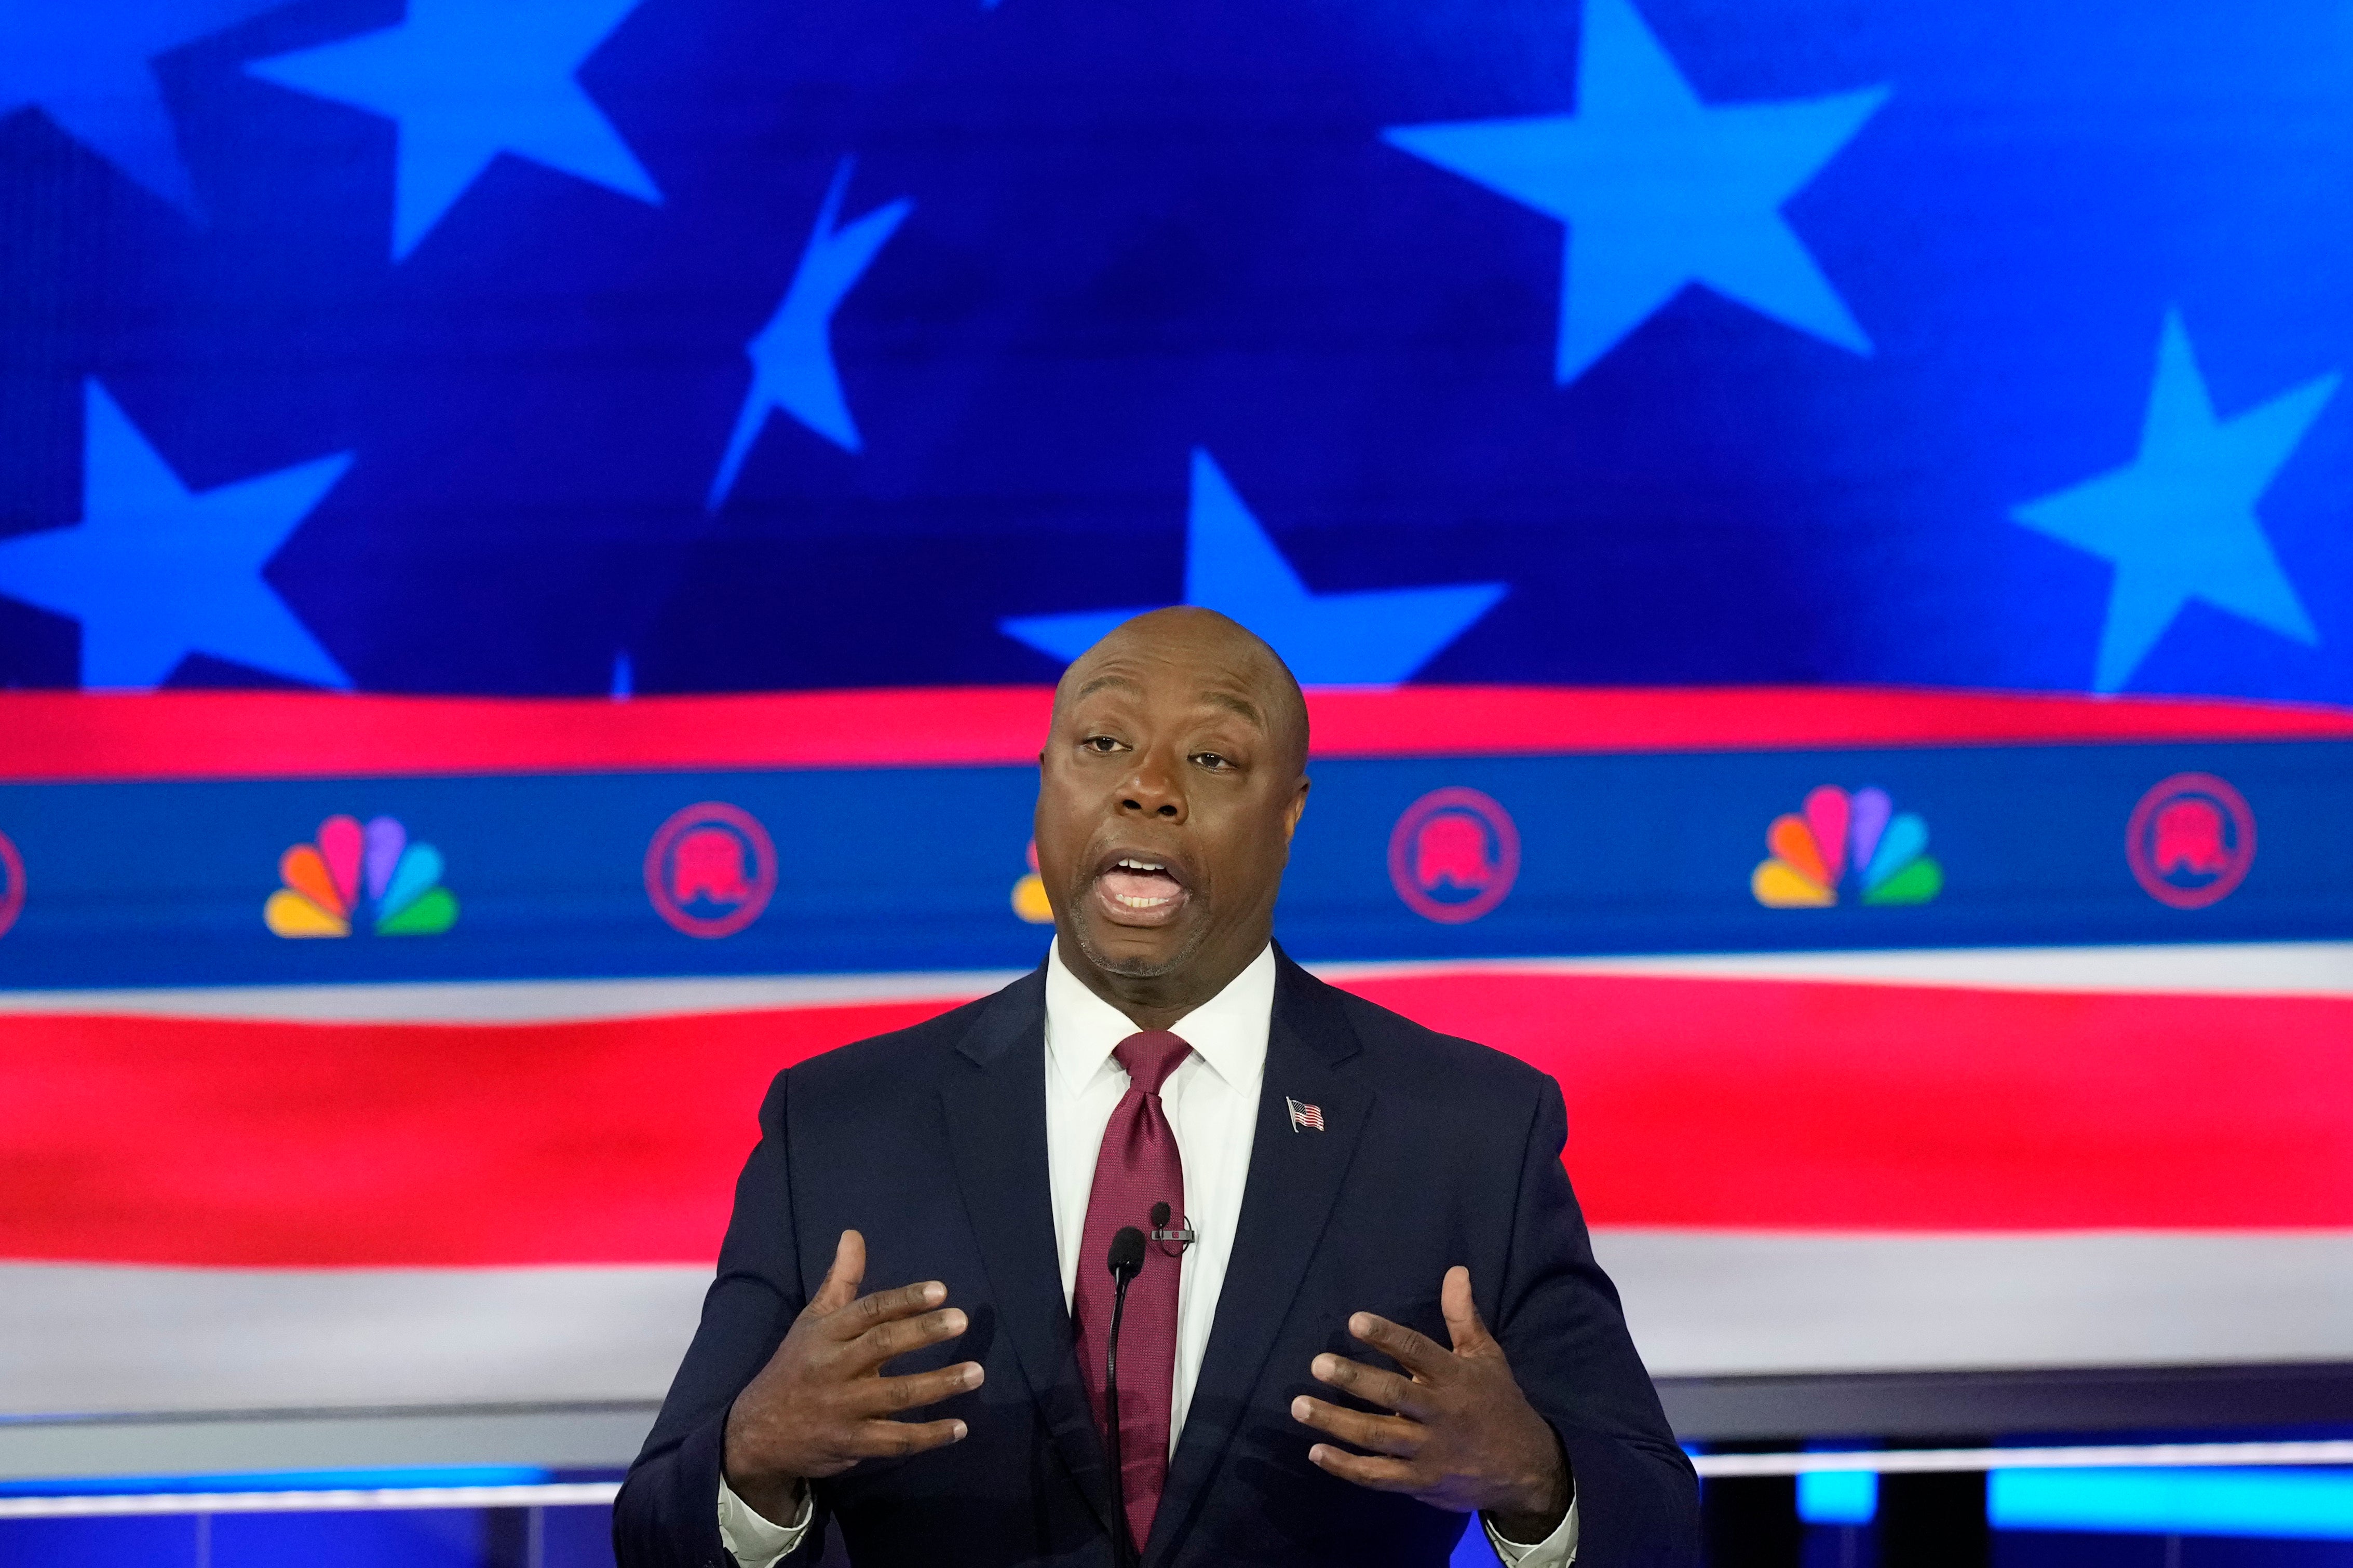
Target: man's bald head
{"points": [[1171, 782], [1233, 663]]}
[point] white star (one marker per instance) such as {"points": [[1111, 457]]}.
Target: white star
{"points": [[1659, 190], [1378, 636], [792, 357], [155, 572], [2178, 520], [468, 79], [88, 65]]}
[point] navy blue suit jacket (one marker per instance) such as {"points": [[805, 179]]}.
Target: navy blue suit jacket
{"points": [[931, 1142]]}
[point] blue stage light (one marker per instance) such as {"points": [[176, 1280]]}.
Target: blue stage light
{"points": [[2307, 1505], [1838, 1497]]}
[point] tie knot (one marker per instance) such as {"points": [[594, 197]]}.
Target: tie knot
{"points": [[1150, 1057]]}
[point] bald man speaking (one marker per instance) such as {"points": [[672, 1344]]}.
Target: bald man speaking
{"points": [[1349, 1291]]}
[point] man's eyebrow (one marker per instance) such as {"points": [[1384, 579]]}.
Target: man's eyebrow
{"points": [[1242, 705], [1230, 701]]}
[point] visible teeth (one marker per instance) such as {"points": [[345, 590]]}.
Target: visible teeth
{"points": [[1145, 903], [1141, 865]]}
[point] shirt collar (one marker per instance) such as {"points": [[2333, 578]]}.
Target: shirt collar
{"points": [[1229, 1031]]}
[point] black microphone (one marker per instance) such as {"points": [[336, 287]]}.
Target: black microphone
{"points": [[1184, 1236], [1127, 1254], [1126, 1262]]}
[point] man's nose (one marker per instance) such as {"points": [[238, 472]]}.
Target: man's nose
{"points": [[1154, 790]]}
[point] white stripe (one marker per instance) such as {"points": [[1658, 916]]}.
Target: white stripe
{"points": [[515, 1001], [2212, 969], [2220, 969], [80, 1339], [1720, 1303], [76, 1339]]}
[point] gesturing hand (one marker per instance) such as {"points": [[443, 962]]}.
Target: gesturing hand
{"points": [[822, 1403], [1463, 1437]]}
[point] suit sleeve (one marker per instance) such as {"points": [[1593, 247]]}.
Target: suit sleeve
{"points": [[667, 1513], [1558, 1318]]}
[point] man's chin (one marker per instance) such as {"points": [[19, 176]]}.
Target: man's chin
{"points": [[1118, 952]]}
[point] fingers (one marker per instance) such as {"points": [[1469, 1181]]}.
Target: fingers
{"points": [[1381, 1434], [1371, 1385], [1383, 1474], [869, 1312], [889, 1395], [888, 1340], [1418, 1354], [843, 1279], [889, 1439], [1464, 1326], [821, 1405]]}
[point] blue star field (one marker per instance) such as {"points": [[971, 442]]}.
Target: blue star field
{"points": [[498, 346]]}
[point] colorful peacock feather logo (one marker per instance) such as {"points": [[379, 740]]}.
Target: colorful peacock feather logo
{"points": [[1030, 894], [1860, 838], [351, 869]]}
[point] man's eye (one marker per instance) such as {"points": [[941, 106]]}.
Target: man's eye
{"points": [[1212, 761], [1102, 743]]}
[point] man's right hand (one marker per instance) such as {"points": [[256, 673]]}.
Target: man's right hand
{"points": [[822, 1403]]}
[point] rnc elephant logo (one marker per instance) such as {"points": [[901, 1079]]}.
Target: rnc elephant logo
{"points": [[12, 884], [2190, 841], [711, 870], [1453, 855]]}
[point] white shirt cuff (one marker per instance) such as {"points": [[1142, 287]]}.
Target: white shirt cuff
{"points": [[754, 1539], [1557, 1549]]}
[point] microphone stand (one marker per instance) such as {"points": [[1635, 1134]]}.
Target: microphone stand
{"points": [[1126, 1263]]}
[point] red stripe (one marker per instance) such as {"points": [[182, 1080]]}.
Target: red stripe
{"points": [[270, 734], [231, 1143], [1802, 1105], [1776, 1105]]}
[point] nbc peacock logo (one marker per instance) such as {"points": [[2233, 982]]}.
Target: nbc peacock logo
{"points": [[1859, 840], [351, 872], [1029, 901]]}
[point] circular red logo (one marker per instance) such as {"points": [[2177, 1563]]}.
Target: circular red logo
{"points": [[2190, 841], [1453, 855], [711, 870], [12, 884]]}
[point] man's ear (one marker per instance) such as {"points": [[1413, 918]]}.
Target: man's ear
{"points": [[1292, 813]]}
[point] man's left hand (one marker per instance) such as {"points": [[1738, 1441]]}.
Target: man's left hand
{"points": [[1463, 1437]]}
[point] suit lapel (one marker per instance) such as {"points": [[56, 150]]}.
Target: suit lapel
{"points": [[995, 1097], [1294, 1180]]}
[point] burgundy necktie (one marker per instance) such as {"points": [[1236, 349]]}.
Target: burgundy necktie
{"points": [[1137, 1167]]}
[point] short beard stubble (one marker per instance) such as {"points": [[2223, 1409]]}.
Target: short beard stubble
{"points": [[1134, 968]]}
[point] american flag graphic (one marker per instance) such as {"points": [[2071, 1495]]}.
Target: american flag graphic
{"points": [[1816, 534]]}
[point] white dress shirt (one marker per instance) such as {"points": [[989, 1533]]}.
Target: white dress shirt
{"points": [[1211, 1100]]}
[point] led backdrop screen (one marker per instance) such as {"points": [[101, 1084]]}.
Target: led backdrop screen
{"points": [[534, 536]]}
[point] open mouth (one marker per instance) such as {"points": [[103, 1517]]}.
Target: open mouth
{"points": [[1140, 890]]}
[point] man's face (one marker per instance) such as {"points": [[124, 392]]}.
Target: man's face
{"points": [[1169, 789]]}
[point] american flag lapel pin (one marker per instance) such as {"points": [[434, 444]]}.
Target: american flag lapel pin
{"points": [[1309, 1117]]}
